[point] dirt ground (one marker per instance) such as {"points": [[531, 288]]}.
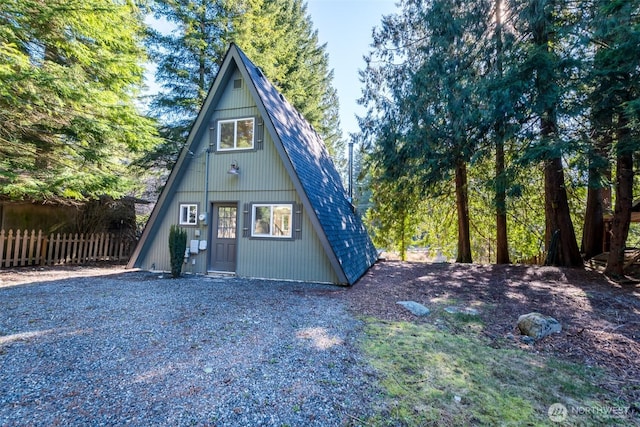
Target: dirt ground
{"points": [[600, 319]]}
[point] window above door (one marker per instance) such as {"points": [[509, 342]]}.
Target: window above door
{"points": [[235, 134]]}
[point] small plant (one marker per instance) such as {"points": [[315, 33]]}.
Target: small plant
{"points": [[177, 247]]}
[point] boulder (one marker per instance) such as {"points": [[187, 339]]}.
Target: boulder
{"points": [[527, 340], [464, 310], [538, 326], [415, 307]]}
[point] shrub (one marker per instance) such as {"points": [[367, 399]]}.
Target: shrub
{"points": [[177, 247]]}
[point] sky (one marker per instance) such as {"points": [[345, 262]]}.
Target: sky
{"points": [[346, 26]]}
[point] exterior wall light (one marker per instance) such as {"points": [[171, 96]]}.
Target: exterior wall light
{"points": [[234, 169]]}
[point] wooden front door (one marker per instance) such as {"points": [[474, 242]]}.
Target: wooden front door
{"points": [[224, 239]]}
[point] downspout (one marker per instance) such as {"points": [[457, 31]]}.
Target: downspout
{"points": [[206, 186]]}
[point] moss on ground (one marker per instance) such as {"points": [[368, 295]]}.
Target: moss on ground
{"points": [[447, 374]]}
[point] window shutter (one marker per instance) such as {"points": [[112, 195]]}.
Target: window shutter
{"points": [[212, 138], [259, 133], [246, 221], [297, 221]]}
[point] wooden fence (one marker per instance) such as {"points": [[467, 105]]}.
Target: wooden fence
{"points": [[534, 260], [23, 248]]}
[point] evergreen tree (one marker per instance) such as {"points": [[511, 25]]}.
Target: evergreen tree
{"points": [[599, 167], [177, 247], [545, 26], [427, 84], [187, 60], [617, 34], [445, 87], [395, 217], [69, 75], [500, 136], [277, 35]]}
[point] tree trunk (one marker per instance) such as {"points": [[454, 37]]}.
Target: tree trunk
{"points": [[624, 202], [462, 205], [598, 199], [403, 235], [599, 190], [502, 244], [593, 229], [556, 204], [557, 214], [558, 217]]}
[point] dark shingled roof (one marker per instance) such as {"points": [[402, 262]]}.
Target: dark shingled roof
{"points": [[318, 177]]}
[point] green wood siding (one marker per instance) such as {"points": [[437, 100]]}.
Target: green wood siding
{"points": [[262, 178]]}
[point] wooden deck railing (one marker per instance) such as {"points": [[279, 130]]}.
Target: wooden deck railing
{"points": [[24, 248]]}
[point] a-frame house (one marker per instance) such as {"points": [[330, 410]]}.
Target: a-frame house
{"points": [[256, 191]]}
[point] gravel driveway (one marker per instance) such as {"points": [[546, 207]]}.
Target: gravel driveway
{"points": [[140, 349]]}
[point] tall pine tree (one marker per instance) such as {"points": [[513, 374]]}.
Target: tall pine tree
{"points": [[187, 57], [427, 84], [617, 34], [500, 101], [69, 75], [544, 26], [277, 35]]}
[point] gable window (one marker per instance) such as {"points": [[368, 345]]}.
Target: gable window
{"points": [[271, 220], [235, 134], [188, 214]]}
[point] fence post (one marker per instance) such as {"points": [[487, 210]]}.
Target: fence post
{"points": [[38, 254], [9, 246], [64, 250], [2, 240], [121, 248], [23, 255], [16, 249], [101, 251], [100, 244], [74, 248], [85, 245], [98, 250], [112, 240], [92, 246], [32, 241], [51, 244], [43, 251], [105, 251]]}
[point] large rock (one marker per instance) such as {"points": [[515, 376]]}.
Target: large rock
{"points": [[415, 307], [537, 326], [463, 310]]}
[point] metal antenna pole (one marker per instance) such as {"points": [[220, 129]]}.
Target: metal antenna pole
{"points": [[351, 171]]}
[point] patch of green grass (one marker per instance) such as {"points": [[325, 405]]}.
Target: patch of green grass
{"points": [[435, 377]]}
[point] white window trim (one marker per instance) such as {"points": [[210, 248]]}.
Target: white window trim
{"points": [[271, 206], [185, 219], [235, 134]]}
